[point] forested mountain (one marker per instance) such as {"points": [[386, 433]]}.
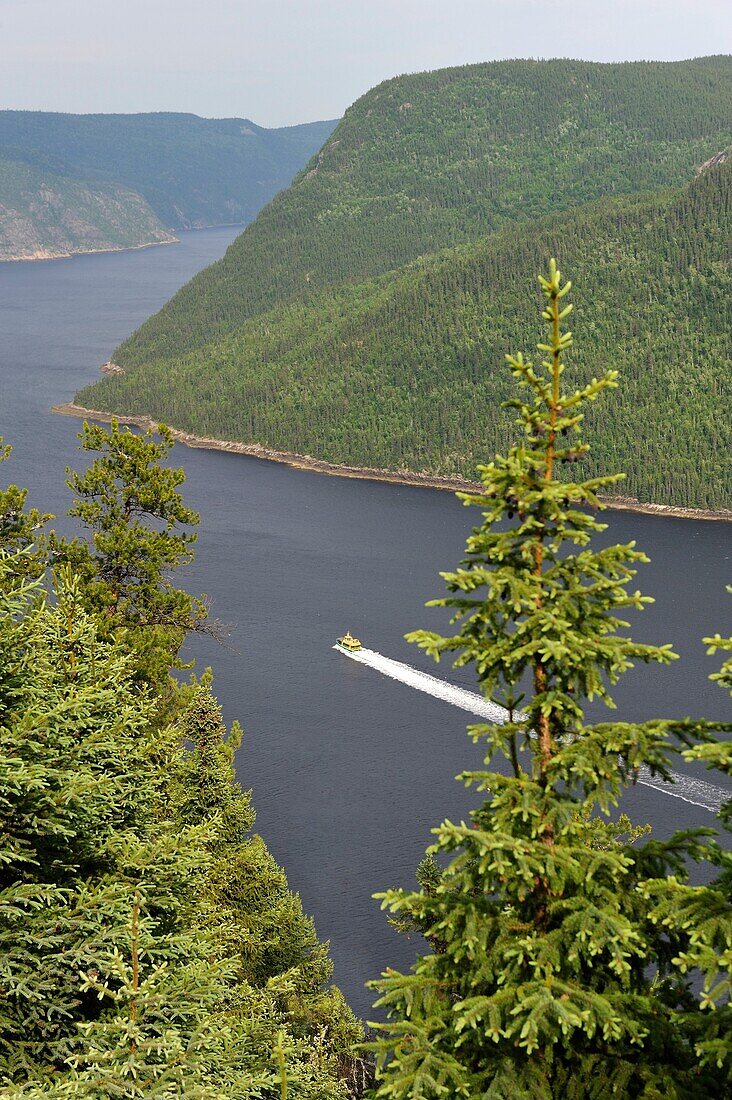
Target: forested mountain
{"points": [[79, 182], [407, 371], [432, 160]]}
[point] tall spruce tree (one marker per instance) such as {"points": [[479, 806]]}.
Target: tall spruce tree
{"points": [[140, 532], [548, 976]]}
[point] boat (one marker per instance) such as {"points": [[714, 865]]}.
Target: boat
{"points": [[348, 643]]}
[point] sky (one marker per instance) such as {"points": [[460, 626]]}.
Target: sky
{"points": [[280, 62]]}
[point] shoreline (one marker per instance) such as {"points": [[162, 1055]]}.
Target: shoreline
{"points": [[121, 248], [86, 252], [364, 473]]}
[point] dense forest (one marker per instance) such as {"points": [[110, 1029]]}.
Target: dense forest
{"points": [[405, 372], [80, 182], [431, 160], [150, 948]]}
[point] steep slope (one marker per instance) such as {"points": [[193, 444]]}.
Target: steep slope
{"points": [[436, 159], [407, 371], [43, 214], [188, 171]]}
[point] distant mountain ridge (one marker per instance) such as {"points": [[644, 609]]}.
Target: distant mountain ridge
{"points": [[44, 215], [166, 172]]}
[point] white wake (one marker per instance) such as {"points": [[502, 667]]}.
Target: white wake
{"points": [[696, 791]]}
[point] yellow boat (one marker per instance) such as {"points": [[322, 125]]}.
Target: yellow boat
{"points": [[348, 643]]}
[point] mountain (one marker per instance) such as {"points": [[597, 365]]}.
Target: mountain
{"points": [[432, 160], [407, 371], [340, 326], [44, 215], [79, 182]]}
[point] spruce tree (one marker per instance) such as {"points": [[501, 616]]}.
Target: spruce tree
{"points": [[21, 529], [150, 946], [700, 920], [140, 532], [547, 975]]}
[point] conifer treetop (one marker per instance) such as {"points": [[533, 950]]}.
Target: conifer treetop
{"points": [[537, 985]]}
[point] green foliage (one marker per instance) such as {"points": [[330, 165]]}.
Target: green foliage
{"points": [[718, 754], [405, 372], [543, 923], [246, 907], [701, 921], [130, 503], [91, 878], [149, 947], [717, 644], [21, 530], [84, 182]]}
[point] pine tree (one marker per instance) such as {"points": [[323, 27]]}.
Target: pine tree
{"points": [[539, 983], [139, 533]]}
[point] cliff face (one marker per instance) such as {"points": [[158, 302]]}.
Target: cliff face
{"points": [[43, 215]]}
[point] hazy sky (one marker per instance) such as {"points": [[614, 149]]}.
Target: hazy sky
{"points": [[286, 61]]}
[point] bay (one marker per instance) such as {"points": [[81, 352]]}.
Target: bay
{"points": [[350, 769]]}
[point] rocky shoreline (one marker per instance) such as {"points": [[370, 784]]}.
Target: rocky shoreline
{"points": [[397, 477], [47, 254]]}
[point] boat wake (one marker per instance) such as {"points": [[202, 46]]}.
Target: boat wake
{"points": [[696, 791]]}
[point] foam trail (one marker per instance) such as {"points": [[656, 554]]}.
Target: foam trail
{"points": [[696, 791], [422, 681]]}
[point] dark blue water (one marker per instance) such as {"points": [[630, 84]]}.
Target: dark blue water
{"points": [[350, 770]]}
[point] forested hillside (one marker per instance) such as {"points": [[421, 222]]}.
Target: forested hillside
{"points": [[174, 170], [432, 160], [407, 371], [43, 215]]}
